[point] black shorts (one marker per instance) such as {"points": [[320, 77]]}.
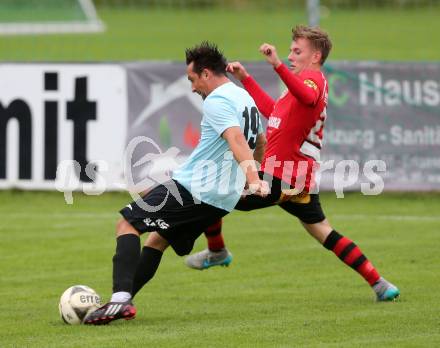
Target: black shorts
{"points": [[304, 206], [180, 223]]}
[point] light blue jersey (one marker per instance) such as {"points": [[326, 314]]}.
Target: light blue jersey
{"points": [[211, 173]]}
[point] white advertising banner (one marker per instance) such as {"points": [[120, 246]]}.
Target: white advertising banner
{"points": [[69, 114]]}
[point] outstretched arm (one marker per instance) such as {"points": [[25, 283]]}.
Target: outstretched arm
{"points": [[306, 93]]}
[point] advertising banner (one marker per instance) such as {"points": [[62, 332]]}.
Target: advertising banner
{"points": [[382, 128], [388, 112], [51, 113]]}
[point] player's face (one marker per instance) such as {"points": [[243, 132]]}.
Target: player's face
{"points": [[198, 82], [302, 56]]}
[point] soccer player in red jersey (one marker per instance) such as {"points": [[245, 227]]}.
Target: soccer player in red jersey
{"points": [[294, 138]]}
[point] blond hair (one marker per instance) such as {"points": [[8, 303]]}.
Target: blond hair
{"points": [[317, 37]]}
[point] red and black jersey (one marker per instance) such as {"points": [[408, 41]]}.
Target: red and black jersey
{"points": [[295, 125]]}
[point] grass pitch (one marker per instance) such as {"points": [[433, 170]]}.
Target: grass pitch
{"points": [[282, 290], [154, 34]]}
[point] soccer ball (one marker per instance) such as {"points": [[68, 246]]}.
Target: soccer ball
{"points": [[76, 302]]}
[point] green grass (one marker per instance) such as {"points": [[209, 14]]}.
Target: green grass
{"points": [[154, 34], [40, 11], [282, 290]]}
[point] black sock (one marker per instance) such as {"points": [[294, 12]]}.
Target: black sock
{"points": [[147, 266], [125, 261]]}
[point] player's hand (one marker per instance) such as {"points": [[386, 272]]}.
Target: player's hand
{"points": [[237, 70], [258, 188], [271, 55]]}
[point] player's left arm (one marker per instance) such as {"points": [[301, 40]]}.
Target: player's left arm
{"points": [[305, 90]]}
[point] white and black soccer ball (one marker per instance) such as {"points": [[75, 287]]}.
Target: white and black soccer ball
{"points": [[76, 302]]}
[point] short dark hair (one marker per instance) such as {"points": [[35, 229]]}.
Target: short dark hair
{"points": [[206, 56], [317, 37]]}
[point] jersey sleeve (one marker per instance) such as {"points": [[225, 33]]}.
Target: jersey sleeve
{"points": [[264, 101], [220, 113], [304, 88]]}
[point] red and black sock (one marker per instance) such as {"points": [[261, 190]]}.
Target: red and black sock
{"points": [[352, 256], [214, 235]]}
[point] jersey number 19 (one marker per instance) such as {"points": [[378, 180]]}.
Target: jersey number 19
{"points": [[251, 123]]}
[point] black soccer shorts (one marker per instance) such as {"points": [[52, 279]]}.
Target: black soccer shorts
{"points": [[304, 206], [180, 223]]}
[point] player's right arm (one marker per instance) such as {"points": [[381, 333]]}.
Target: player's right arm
{"points": [[264, 101]]}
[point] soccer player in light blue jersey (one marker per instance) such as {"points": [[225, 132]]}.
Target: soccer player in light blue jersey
{"points": [[204, 189]]}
